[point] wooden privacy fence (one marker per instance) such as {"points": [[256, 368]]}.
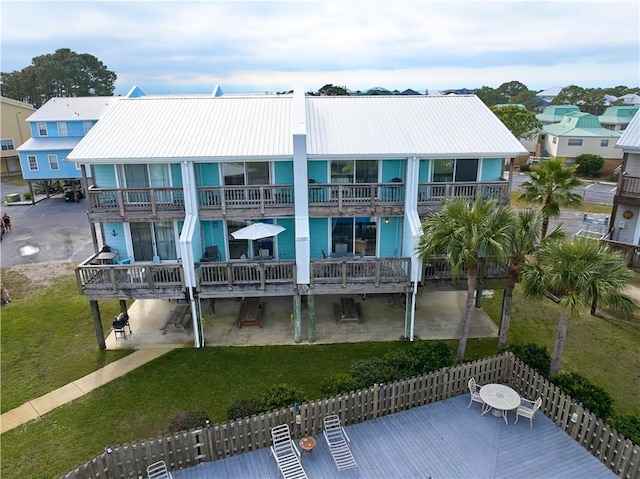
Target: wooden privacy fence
{"points": [[219, 441]]}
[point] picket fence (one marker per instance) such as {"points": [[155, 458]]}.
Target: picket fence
{"points": [[218, 441]]}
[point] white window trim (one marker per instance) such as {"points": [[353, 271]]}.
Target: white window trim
{"points": [[86, 126], [9, 143], [574, 142], [51, 163], [42, 129], [62, 128], [35, 162], [604, 143]]}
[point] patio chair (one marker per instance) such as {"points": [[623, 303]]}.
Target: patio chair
{"points": [[158, 470], [211, 253], [286, 453], [338, 442], [528, 411], [474, 389]]}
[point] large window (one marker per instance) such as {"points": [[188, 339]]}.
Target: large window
{"points": [[249, 173], [153, 239], [53, 162], [575, 142], [33, 162], [354, 171], [353, 236], [141, 177], [7, 144], [458, 170]]}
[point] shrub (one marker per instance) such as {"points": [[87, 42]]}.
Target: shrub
{"points": [[628, 425], [595, 399], [186, 420], [401, 363], [340, 383], [280, 396], [244, 408], [370, 371], [589, 164], [432, 356], [27, 196], [525, 167], [535, 356]]}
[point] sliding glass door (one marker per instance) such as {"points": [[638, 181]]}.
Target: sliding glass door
{"points": [[154, 239]]}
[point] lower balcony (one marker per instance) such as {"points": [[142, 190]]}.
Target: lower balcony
{"points": [[629, 192], [437, 274], [130, 281], [630, 253], [432, 195]]}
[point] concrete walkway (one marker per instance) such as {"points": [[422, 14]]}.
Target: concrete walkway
{"points": [[37, 407]]}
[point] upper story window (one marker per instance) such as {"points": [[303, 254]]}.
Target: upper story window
{"points": [[7, 144], [458, 170], [62, 128], [33, 162], [575, 142], [87, 125], [555, 140], [249, 173], [604, 143], [354, 171], [53, 163], [42, 129]]}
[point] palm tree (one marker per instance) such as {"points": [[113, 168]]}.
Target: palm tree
{"points": [[524, 241], [550, 185], [464, 233], [575, 271]]}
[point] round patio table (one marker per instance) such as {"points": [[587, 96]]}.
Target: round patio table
{"points": [[307, 444], [500, 398]]}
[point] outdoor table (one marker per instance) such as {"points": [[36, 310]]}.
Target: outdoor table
{"points": [[307, 444], [500, 398], [106, 257]]}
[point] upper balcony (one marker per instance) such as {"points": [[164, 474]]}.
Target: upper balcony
{"points": [[348, 199], [431, 195], [132, 204], [629, 191], [241, 202]]}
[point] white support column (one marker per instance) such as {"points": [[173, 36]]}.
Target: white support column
{"points": [[301, 186]]}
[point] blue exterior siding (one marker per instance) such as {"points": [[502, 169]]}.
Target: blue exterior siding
{"points": [[66, 169], [390, 243], [392, 169], [213, 235], [74, 129], [105, 176], [207, 174], [318, 170], [491, 169], [283, 172], [114, 237], [319, 232], [287, 239], [424, 171]]}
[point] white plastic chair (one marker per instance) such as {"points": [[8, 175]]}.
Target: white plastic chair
{"points": [[474, 389], [158, 470], [528, 411], [338, 442], [286, 453]]}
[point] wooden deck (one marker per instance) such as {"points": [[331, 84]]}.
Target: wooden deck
{"points": [[440, 440]]}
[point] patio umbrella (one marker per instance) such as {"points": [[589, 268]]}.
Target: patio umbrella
{"points": [[257, 231]]}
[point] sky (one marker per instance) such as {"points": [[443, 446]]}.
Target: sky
{"points": [[270, 46]]}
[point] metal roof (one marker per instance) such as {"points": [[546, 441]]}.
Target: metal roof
{"points": [[630, 139], [404, 126], [73, 108], [49, 144], [580, 124], [260, 127], [197, 128]]}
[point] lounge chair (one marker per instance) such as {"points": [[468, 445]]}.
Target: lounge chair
{"points": [[158, 470], [286, 453], [338, 442], [528, 411]]}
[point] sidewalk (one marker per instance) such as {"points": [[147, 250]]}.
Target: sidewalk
{"points": [[37, 407]]}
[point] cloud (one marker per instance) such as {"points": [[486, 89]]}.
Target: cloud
{"points": [[173, 46]]}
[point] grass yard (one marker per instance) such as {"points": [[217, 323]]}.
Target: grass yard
{"points": [[48, 340]]}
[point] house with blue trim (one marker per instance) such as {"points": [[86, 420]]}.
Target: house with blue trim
{"points": [[56, 128], [347, 179]]}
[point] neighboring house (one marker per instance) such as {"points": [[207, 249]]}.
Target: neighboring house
{"points": [[577, 134], [625, 225], [617, 118], [55, 129], [630, 99], [555, 113], [348, 178], [548, 95], [13, 133]]}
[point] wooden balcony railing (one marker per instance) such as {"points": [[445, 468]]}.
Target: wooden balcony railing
{"points": [[355, 194], [360, 275], [630, 186], [130, 281], [234, 278], [435, 193], [438, 270], [630, 253], [121, 201], [264, 198]]}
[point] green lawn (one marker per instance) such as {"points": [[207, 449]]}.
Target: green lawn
{"points": [[48, 340]]}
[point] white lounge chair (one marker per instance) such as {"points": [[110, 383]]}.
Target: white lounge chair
{"points": [[528, 411], [286, 453], [158, 470], [474, 389], [338, 440]]}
